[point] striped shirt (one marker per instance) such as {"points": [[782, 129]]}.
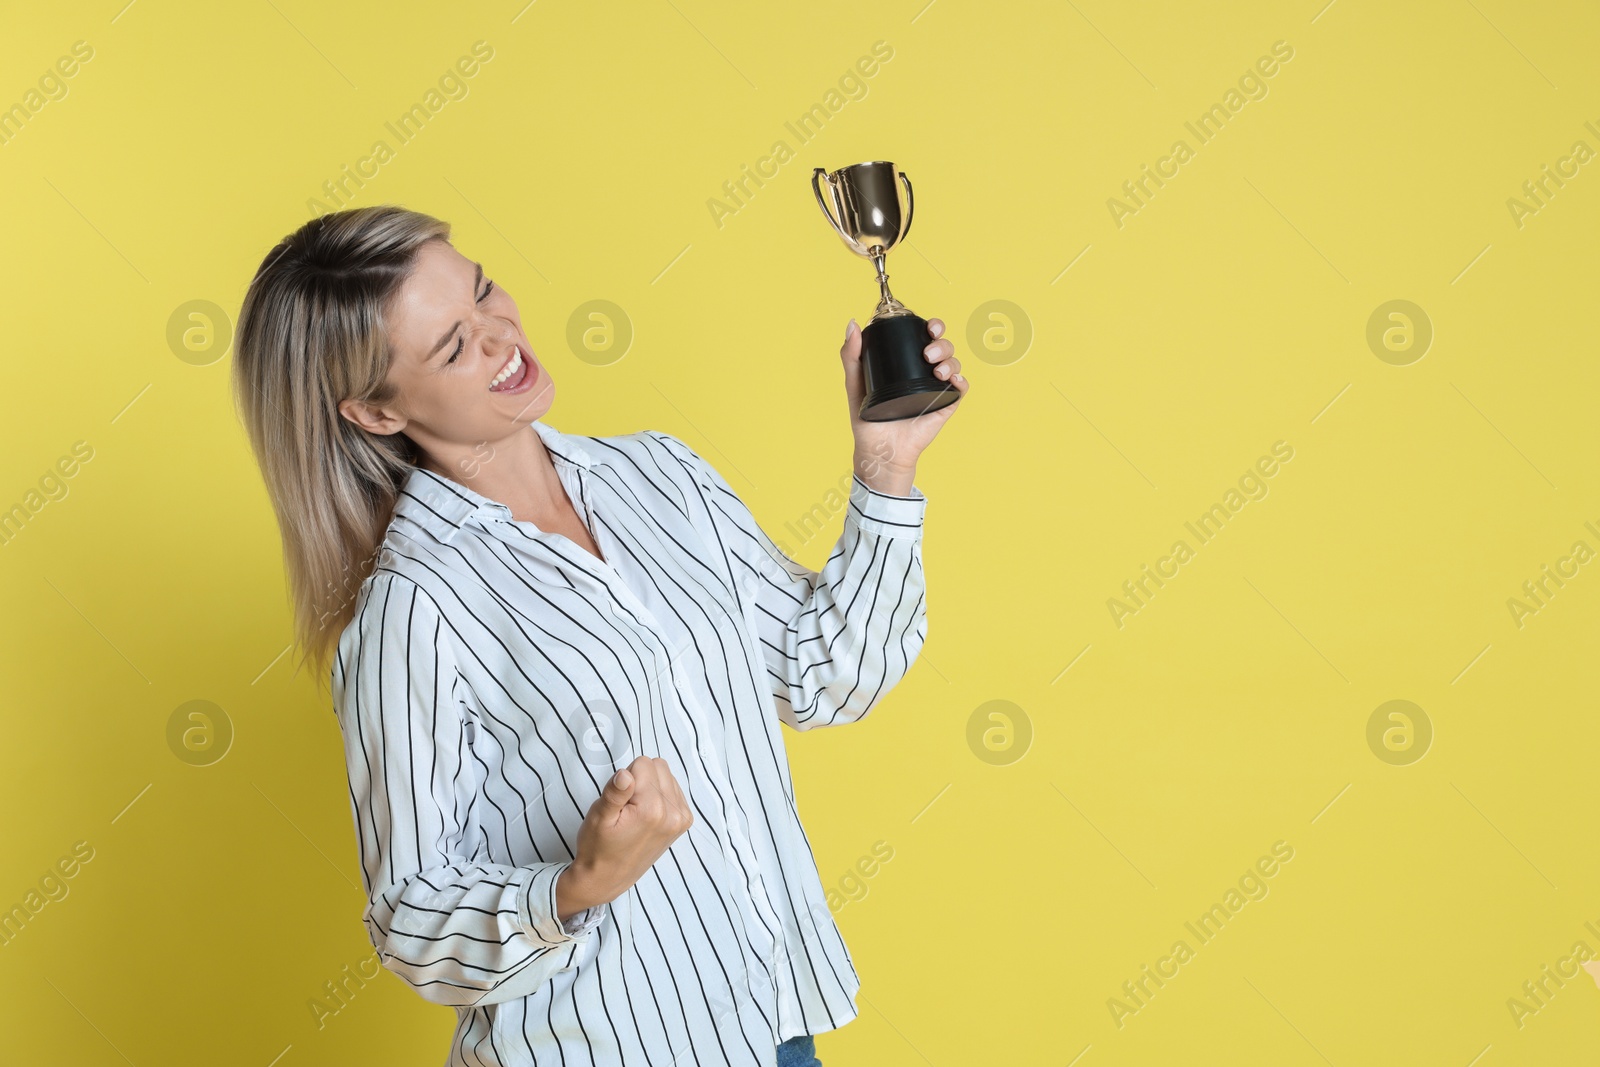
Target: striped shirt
{"points": [[495, 676]]}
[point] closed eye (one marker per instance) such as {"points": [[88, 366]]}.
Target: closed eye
{"points": [[461, 343]]}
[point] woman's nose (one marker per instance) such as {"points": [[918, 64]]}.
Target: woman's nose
{"points": [[503, 337]]}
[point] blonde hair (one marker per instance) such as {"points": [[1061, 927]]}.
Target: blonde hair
{"points": [[311, 334]]}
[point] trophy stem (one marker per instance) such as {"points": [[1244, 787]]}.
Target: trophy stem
{"points": [[888, 306]]}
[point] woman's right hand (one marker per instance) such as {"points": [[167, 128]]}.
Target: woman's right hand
{"points": [[638, 815]]}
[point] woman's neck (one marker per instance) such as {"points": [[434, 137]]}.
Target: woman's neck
{"points": [[516, 471]]}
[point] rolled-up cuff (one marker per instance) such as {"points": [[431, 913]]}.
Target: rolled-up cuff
{"points": [[885, 514], [536, 909]]}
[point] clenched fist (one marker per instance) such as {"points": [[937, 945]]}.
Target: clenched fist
{"points": [[639, 814]]}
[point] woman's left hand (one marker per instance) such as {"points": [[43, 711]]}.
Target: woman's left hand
{"points": [[886, 452]]}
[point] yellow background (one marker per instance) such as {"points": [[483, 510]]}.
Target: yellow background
{"points": [[1229, 313]]}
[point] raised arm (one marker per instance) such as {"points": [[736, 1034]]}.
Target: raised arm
{"points": [[834, 641], [459, 932]]}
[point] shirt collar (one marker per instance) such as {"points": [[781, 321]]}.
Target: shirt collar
{"points": [[442, 506]]}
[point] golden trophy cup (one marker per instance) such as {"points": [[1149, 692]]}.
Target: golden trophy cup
{"points": [[870, 215]]}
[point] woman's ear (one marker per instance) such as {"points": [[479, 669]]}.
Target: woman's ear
{"points": [[371, 417]]}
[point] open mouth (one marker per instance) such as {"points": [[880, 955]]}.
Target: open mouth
{"points": [[515, 375]]}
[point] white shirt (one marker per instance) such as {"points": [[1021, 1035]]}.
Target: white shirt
{"points": [[495, 676]]}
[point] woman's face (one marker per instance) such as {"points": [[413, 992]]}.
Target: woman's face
{"points": [[457, 339]]}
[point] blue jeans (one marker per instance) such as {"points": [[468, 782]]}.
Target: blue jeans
{"points": [[798, 1052]]}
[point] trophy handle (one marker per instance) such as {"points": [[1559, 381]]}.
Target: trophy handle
{"points": [[911, 206], [816, 178]]}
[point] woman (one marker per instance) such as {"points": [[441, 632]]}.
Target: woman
{"points": [[559, 664]]}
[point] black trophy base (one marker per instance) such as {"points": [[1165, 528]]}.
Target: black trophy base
{"points": [[899, 380]]}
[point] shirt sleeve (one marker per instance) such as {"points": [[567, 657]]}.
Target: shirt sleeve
{"points": [[834, 641], [458, 931]]}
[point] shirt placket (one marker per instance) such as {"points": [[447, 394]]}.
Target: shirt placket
{"points": [[738, 851]]}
